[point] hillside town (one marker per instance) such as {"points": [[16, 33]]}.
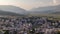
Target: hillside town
{"points": [[29, 25]]}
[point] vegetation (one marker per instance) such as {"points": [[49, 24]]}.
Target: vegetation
{"points": [[9, 13]]}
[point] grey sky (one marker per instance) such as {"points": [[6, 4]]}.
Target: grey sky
{"points": [[28, 4]]}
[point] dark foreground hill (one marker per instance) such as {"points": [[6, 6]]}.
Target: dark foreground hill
{"points": [[9, 13]]}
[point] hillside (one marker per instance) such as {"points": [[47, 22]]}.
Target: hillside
{"points": [[13, 9], [49, 9], [9, 13]]}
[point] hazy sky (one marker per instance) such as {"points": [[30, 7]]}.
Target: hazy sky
{"points": [[28, 4]]}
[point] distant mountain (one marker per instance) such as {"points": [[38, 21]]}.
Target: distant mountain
{"points": [[9, 13], [49, 9], [57, 12], [13, 9]]}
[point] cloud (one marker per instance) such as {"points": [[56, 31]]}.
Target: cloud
{"points": [[54, 2], [28, 4]]}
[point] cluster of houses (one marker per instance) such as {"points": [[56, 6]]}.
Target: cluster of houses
{"points": [[29, 25]]}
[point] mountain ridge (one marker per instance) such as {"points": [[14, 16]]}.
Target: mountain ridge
{"points": [[49, 9], [12, 9]]}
